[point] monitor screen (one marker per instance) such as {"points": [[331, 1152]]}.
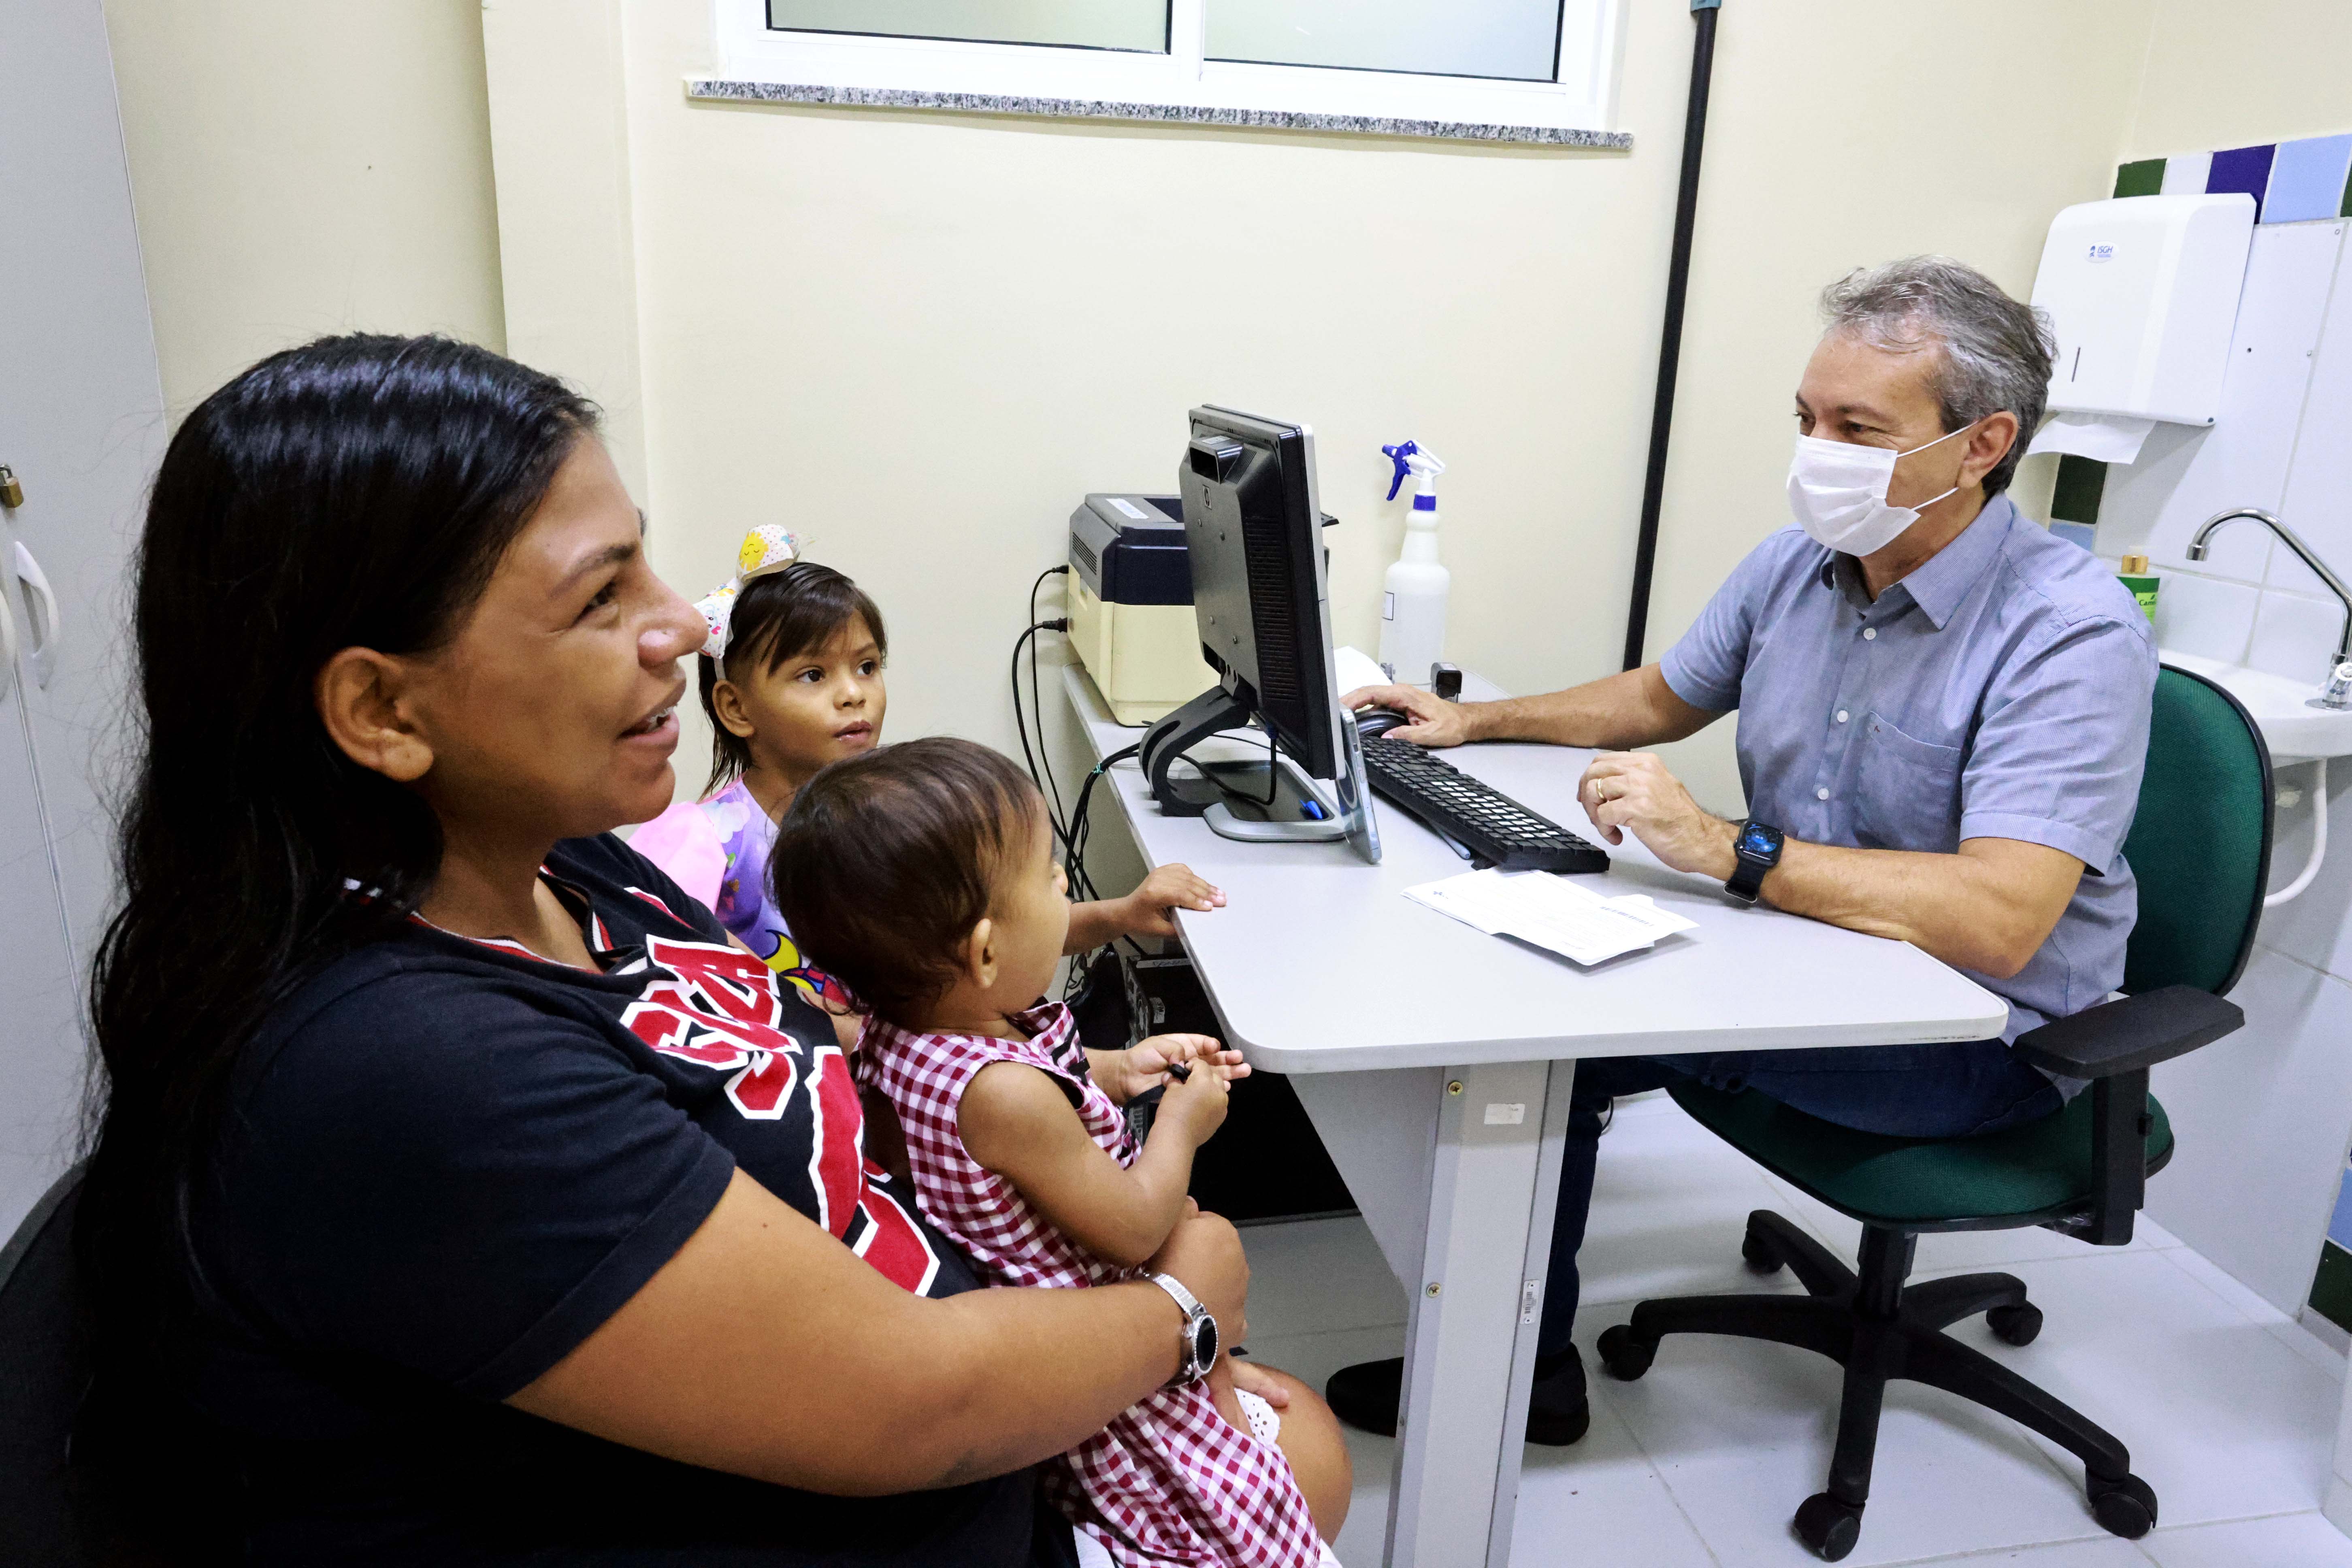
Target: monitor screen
{"points": [[1254, 529]]}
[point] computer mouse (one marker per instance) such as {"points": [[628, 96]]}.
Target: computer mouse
{"points": [[1373, 722]]}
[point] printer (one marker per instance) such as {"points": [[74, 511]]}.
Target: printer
{"points": [[1131, 605]]}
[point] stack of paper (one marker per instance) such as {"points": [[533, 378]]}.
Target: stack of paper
{"points": [[1552, 913]]}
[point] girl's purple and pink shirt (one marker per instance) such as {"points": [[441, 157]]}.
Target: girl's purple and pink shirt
{"points": [[717, 849]]}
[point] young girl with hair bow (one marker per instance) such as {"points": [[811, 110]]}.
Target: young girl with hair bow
{"points": [[792, 680]]}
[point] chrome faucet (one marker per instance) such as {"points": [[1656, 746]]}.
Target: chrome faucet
{"points": [[2338, 695]]}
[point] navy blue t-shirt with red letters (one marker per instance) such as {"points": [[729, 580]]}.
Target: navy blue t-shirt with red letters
{"points": [[447, 1162]]}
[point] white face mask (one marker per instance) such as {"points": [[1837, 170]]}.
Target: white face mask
{"points": [[1838, 491]]}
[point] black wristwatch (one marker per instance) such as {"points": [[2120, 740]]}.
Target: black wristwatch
{"points": [[1198, 1337], [1758, 849]]}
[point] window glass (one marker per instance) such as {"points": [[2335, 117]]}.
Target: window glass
{"points": [[1515, 39], [1088, 24]]}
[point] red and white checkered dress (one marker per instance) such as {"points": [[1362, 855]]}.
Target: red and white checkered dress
{"points": [[1168, 1480]]}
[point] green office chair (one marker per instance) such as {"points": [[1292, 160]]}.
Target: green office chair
{"points": [[2200, 847]]}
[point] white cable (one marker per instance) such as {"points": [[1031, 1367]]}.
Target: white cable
{"points": [[2318, 838]]}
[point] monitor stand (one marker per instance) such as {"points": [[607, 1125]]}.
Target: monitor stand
{"points": [[1232, 797], [1295, 814]]}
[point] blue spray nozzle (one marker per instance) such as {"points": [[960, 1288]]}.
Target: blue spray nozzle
{"points": [[1400, 455], [1413, 458]]}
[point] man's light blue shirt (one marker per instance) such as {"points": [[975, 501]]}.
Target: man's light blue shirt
{"points": [[2001, 690]]}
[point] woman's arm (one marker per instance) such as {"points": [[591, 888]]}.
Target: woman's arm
{"points": [[767, 1349], [1015, 1120]]}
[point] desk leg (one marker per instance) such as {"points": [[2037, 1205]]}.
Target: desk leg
{"points": [[1470, 1340]]}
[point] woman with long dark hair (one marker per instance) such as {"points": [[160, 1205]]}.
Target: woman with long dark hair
{"points": [[485, 1202]]}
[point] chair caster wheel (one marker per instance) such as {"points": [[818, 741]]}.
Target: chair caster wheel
{"points": [[1828, 1527], [2018, 1325], [1622, 1356], [2124, 1508], [1760, 1259]]}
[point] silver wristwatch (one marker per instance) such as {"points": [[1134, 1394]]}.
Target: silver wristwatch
{"points": [[1198, 1336]]}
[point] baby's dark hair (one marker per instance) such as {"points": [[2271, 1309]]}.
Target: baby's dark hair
{"points": [[885, 861], [796, 611]]}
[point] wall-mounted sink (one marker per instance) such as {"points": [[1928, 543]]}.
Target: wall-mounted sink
{"points": [[2293, 729]]}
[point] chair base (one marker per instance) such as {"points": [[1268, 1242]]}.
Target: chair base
{"points": [[1879, 1331]]}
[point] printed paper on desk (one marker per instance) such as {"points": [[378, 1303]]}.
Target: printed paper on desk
{"points": [[1552, 913]]}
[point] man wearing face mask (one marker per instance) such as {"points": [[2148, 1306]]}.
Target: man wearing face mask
{"points": [[1943, 715]]}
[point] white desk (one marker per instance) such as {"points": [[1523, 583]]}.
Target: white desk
{"points": [[1401, 1027]]}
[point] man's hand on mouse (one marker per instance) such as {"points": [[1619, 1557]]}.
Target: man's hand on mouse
{"points": [[1435, 721], [1624, 790]]}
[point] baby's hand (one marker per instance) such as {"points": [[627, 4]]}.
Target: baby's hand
{"points": [[1165, 1057], [1255, 1379], [1145, 911], [1195, 1103], [1141, 1069]]}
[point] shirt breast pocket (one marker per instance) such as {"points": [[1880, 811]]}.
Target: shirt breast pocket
{"points": [[1907, 792]]}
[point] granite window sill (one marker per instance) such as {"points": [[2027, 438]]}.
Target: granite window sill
{"points": [[716, 90]]}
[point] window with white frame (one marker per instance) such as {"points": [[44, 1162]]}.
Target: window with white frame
{"points": [[1504, 70]]}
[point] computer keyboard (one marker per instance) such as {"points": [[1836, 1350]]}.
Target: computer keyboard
{"points": [[1483, 820]]}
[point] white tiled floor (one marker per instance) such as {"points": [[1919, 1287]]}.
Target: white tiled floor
{"points": [[2229, 1408]]}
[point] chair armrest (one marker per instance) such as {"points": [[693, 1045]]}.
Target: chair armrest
{"points": [[2131, 1035]]}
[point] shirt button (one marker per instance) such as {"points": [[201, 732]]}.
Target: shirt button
{"points": [[1870, 634], [1821, 793], [1842, 715]]}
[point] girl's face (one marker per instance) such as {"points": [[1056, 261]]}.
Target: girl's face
{"points": [[817, 707]]}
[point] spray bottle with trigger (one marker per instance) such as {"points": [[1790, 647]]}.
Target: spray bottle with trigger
{"points": [[1413, 609]]}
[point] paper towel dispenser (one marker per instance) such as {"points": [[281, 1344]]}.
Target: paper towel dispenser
{"points": [[2143, 294]]}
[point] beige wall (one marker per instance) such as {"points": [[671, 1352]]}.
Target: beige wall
{"points": [[2228, 75], [302, 167], [559, 131]]}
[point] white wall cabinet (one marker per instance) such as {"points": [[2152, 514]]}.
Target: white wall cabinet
{"points": [[82, 423], [38, 975]]}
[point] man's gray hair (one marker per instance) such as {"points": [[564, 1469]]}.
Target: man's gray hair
{"points": [[1995, 351]]}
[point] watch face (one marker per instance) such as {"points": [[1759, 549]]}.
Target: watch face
{"points": [[1758, 840], [1205, 1342]]}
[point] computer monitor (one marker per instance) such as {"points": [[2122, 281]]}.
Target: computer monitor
{"points": [[1252, 529]]}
